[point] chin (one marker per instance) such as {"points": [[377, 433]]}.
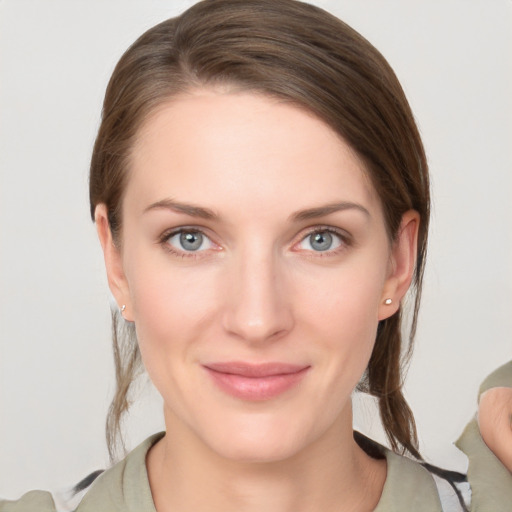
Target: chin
{"points": [[258, 451]]}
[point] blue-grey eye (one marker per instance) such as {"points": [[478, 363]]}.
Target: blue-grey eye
{"points": [[321, 241], [189, 241]]}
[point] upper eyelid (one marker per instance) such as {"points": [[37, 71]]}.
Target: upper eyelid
{"points": [[344, 236], [168, 233], [342, 233]]}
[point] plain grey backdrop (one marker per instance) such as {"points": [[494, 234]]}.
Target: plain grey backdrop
{"points": [[56, 373]]}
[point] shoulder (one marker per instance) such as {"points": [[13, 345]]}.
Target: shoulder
{"points": [[122, 488], [409, 486], [33, 501]]}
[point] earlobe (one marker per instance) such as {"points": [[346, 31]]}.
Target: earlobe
{"points": [[113, 261], [402, 264]]}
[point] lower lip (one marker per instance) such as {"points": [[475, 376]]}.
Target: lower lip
{"points": [[256, 388]]}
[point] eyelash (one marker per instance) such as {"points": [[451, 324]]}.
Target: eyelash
{"points": [[346, 241], [166, 236], [345, 238]]}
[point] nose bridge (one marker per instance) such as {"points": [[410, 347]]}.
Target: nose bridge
{"points": [[257, 306]]}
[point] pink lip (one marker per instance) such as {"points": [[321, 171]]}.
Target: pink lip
{"points": [[255, 381]]}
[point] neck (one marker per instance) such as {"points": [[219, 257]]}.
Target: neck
{"points": [[330, 474]]}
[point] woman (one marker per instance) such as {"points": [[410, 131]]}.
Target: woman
{"points": [[261, 196]]}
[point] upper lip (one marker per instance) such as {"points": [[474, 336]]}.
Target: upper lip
{"points": [[255, 370]]}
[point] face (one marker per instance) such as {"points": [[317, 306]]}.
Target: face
{"points": [[255, 264]]}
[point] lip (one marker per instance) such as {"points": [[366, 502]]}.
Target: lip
{"points": [[255, 382]]}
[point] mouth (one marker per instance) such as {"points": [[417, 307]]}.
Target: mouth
{"points": [[255, 382]]}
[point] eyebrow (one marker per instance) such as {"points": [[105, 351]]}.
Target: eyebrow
{"points": [[301, 215], [187, 209], [321, 211]]}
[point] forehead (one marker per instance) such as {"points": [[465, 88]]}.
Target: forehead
{"points": [[243, 149]]}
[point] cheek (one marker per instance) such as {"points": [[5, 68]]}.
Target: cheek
{"points": [[342, 315], [170, 304], [173, 311], [347, 299], [170, 301]]}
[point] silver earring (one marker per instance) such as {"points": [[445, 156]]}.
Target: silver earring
{"points": [[388, 302], [123, 307]]}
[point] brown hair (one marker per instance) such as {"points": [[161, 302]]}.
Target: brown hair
{"points": [[300, 54]]}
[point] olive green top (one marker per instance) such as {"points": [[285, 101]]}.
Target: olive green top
{"points": [[125, 488], [408, 487]]}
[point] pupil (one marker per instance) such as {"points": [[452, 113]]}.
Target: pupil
{"points": [[321, 241], [191, 241]]}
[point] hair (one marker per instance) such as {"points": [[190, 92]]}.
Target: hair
{"points": [[299, 54]]}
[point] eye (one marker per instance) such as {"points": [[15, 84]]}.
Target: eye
{"points": [[323, 240], [184, 241]]}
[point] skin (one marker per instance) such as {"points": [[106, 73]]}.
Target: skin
{"points": [[257, 290], [495, 422]]}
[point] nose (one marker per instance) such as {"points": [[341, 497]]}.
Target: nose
{"points": [[257, 305]]}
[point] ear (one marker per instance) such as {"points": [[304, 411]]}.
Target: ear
{"points": [[402, 264], [113, 261]]}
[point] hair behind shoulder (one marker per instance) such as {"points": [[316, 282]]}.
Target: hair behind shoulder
{"points": [[301, 54]]}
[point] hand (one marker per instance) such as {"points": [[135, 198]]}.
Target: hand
{"points": [[495, 421]]}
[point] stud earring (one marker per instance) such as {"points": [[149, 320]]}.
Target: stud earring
{"points": [[388, 302], [123, 307]]}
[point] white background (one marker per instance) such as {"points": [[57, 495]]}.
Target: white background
{"points": [[56, 374]]}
